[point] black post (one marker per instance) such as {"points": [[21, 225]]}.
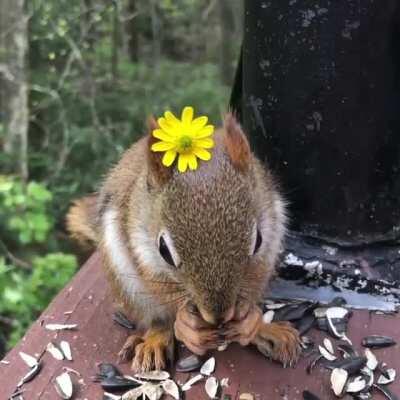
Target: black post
{"points": [[321, 102]]}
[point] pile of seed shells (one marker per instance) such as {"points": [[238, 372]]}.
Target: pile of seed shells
{"points": [[59, 351], [154, 384], [352, 373]]}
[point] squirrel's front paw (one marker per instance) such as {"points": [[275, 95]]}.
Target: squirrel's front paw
{"points": [[150, 351], [279, 341]]}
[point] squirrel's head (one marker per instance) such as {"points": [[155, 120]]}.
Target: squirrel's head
{"points": [[216, 230]]}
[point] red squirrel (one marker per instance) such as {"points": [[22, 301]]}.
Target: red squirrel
{"points": [[189, 255]]}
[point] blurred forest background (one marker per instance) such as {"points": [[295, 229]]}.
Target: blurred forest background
{"points": [[77, 80]]}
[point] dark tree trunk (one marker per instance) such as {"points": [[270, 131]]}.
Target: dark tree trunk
{"points": [[227, 25], [13, 82], [132, 31]]}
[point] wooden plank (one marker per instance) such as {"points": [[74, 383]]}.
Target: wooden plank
{"points": [[98, 339]]}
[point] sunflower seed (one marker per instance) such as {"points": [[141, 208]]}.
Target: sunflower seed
{"points": [[303, 325], [153, 375], [338, 380], [376, 341], [188, 364], [64, 386], [211, 387], [275, 306], [389, 378], [29, 360], [325, 353], [208, 367], [328, 345], [188, 385], [372, 362], [66, 349], [171, 388], [223, 347], [55, 351], [268, 317], [60, 327]]}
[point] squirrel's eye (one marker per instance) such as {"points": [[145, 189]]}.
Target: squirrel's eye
{"points": [[165, 253], [258, 242]]}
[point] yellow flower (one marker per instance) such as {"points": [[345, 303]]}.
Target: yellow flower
{"points": [[185, 138]]}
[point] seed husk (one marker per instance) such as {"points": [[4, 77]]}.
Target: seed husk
{"points": [[268, 317], [29, 360], [293, 312], [64, 386], [108, 370], [171, 388], [303, 325], [152, 391], [33, 372], [121, 319], [386, 392], [307, 395], [118, 383], [188, 385], [208, 367], [133, 394], [188, 364], [153, 375], [246, 396], [326, 354], [377, 341], [328, 345], [338, 381], [66, 349], [211, 387], [372, 362], [357, 385], [352, 364], [55, 351], [389, 378], [60, 327], [110, 396]]}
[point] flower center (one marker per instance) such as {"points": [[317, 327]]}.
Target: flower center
{"points": [[185, 142]]}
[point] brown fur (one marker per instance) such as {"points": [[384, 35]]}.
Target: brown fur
{"points": [[209, 214]]}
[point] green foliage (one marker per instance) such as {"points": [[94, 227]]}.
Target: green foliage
{"points": [[24, 294], [27, 286], [23, 209]]}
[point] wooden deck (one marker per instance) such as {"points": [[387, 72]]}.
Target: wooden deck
{"points": [[98, 339]]}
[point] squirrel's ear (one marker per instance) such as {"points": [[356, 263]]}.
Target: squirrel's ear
{"points": [[236, 143], [158, 174]]}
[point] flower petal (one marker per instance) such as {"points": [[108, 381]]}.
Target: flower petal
{"points": [[192, 161], [166, 127], [170, 117], [201, 153], [199, 122], [162, 146], [162, 135], [183, 160], [187, 115], [205, 132], [169, 158], [206, 143]]}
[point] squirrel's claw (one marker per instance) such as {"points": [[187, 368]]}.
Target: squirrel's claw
{"points": [[154, 349], [127, 351], [279, 341]]}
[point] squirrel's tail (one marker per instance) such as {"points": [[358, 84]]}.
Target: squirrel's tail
{"points": [[81, 222]]}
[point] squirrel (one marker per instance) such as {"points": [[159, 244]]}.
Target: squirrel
{"points": [[188, 255]]}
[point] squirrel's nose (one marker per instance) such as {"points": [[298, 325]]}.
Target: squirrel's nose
{"points": [[217, 318]]}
